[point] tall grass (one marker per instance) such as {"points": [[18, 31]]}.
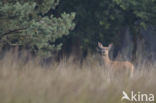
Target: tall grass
{"points": [[69, 82]]}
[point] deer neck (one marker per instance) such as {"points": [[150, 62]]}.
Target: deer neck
{"points": [[107, 60]]}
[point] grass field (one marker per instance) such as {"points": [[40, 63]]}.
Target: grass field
{"points": [[69, 82]]}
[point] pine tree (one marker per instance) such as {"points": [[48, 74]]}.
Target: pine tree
{"points": [[27, 24]]}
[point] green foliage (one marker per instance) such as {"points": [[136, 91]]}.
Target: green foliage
{"points": [[40, 25], [107, 20], [25, 24], [144, 10]]}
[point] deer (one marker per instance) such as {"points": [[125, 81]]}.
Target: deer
{"points": [[115, 65]]}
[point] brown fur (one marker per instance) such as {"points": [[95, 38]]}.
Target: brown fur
{"points": [[116, 66]]}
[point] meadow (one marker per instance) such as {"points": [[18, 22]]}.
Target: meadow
{"points": [[69, 82]]}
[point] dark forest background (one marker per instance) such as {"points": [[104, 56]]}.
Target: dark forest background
{"points": [[58, 28]]}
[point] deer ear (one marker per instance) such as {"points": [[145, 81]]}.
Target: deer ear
{"points": [[100, 45], [110, 46]]}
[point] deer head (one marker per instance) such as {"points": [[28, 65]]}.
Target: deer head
{"points": [[104, 50]]}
